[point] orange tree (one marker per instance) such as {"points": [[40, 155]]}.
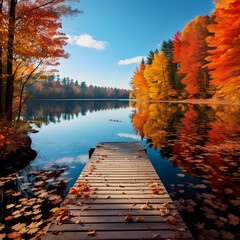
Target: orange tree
{"points": [[190, 51], [224, 61]]}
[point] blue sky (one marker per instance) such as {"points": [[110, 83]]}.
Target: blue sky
{"points": [[105, 41]]}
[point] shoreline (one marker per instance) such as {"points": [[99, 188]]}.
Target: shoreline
{"points": [[195, 101]]}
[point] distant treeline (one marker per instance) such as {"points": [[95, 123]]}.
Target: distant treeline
{"points": [[56, 88]]}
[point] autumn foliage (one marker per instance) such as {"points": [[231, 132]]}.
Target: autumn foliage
{"points": [[30, 41], [207, 53], [140, 83], [224, 60]]}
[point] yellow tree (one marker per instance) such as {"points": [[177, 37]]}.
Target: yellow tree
{"points": [[157, 76], [140, 84]]}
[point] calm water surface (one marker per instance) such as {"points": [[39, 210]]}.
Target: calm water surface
{"points": [[195, 150]]}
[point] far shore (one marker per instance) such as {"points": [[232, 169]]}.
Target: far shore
{"points": [[196, 101]]}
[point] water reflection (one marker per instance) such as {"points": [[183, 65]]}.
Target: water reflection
{"points": [[204, 142], [53, 111]]}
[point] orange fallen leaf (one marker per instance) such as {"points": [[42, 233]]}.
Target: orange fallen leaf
{"points": [[108, 196], [140, 219], [13, 235], [10, 206], [155, 236], [129, 217], [91, 233], [9, 218], [166, 205], [175, 215], [171, 220]]}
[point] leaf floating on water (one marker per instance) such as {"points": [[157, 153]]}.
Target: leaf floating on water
{"points": [[17, 194], [199, 225], [8, 218], [2, 227], [13, 235], [180, 175], [18, 226], [3, 235], [233, 220], [17, 215], [10, 206], [228, 190]]}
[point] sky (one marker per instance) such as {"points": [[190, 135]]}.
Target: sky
{"points": [[108, 40]]}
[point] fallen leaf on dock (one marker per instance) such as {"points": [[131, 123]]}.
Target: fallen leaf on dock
{"points": [[129, 218], [171, 220], [166, 205], [91, 233], [155, 236], [140, 219]]}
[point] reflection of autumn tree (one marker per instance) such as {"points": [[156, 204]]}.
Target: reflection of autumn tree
{"points": [[53, 111], [208, 146], [156, 128], [140, 117], [223, 149], [187, 146], [156, 122]]}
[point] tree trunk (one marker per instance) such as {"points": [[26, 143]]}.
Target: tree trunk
{"points": [[1, 68], [9, 85]]}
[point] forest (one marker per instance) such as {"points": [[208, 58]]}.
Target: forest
{"points": [[56, 88], [200, 62]]}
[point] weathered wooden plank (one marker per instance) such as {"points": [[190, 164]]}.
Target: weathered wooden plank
{"points": [[115, 219], [161, 234], [114, 207], [111, 226], [127, 196], [123, 188], [112, 212], [130, 201]]}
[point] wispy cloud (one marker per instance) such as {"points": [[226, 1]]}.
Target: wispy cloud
{"points": [[80, 158], [126, 135], [131, 60], [86, 40]]}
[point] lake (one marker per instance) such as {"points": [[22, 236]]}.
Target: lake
{"points": [[194, 148]]}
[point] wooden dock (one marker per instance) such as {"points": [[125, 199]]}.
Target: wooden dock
{"points": [[118, 195]]}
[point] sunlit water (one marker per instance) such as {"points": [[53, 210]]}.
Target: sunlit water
{"points": [[194, 149]]}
